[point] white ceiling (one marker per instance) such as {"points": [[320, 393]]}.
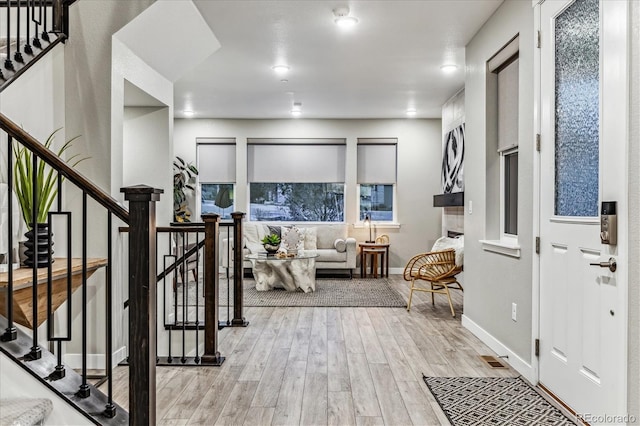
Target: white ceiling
{"points": [[389, 62]]}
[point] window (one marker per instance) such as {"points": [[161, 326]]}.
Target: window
{"points": [[298, 202], [300, 180], [217, 198], [377, 202], [502, 129], [510, 191], [216, 158], [377, 178]]}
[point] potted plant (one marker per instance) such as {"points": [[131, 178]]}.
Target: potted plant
{"points": [[183, 179], [271, 243], [46, 190]]}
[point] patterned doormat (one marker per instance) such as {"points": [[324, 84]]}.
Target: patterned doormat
{"points": [[493, 401]]}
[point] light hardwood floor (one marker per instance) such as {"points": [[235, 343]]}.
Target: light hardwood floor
{"points": [[319, 366]]}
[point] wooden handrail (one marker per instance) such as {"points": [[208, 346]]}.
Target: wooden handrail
{"points": [[63, 168]]}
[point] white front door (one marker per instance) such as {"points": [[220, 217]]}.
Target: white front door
{"points": [[583, 119]]}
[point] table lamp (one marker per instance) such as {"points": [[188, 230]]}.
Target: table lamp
{"points": [[367, 223]]}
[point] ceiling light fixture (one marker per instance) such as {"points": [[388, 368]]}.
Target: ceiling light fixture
{"points": [[280, 69], [342, 18], [448, 68], [411, 112], [296, 111], [188, 113]]}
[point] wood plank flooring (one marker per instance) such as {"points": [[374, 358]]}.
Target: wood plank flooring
{"points": [[324, 366]]}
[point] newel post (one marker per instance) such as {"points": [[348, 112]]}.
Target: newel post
{"points": [[238, 271], [211, 355], [142, 303]]}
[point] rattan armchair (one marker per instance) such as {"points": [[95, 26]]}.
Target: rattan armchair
{"points": [[439, 269]]}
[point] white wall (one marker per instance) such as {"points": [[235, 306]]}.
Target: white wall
{"points": [[494, 281], [419, 160]]}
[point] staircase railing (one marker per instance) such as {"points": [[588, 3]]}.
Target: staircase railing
{"points": [[194, 293], [29, 29], [45, 289]]}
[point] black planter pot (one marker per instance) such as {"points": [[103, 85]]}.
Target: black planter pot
{"points": [[42, 250]]}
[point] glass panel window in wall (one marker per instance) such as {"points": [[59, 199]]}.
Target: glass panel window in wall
{"points": [[217, 198], [376, 201], [577, 118], [297, 202]]}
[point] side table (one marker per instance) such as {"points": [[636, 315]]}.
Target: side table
{"points": [[373, 250]]}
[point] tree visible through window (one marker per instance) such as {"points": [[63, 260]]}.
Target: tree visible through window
{"points": [[298, 202]]}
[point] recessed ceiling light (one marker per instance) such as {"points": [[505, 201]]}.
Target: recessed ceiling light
{"points": [[411, 112], [448, 68], [188, 113], [296, 111], [342, 18], [280, 69]]}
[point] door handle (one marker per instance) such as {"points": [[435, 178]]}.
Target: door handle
{"points": [[611, 264]]}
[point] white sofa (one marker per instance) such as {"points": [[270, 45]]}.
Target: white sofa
{"points": [[335, 249]]}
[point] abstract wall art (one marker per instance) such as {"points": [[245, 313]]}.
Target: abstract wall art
{"points": [[453, 161]]}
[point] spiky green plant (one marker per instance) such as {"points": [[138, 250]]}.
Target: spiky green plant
{"points": [[46, 179], [272, 239]]}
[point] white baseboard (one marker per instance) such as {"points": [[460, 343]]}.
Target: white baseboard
{"points": [[94, 361], [517, 363]]}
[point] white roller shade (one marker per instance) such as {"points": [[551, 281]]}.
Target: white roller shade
{"points": [[508, 107], [376, 161], [216, 160], [296, 161]]}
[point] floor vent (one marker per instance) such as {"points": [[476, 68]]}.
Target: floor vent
{"points": [[492, 361]]}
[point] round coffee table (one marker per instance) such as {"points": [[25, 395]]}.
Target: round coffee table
{"points": [[290, 273]]}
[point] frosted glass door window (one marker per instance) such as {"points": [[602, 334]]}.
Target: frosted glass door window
{"points": [[577, 118]]}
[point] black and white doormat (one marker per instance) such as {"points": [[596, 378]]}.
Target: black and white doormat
{"points": [[492, 401]]}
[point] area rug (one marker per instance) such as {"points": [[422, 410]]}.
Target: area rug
{"points": [[356, 292], [492, 401], [330, 292]]}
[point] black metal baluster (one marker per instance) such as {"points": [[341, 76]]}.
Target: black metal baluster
{"points": [[183, 274], [36, 40], [164, 307], [7, 63], [36, 352], [228, 277], [18, 56], [197, 358], [10, 333], [59, 371], [45, 34], [110, 408], [84, 391], [27, 47]]}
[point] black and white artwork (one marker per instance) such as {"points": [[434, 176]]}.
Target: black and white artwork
{"points": [[453, 161]]}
